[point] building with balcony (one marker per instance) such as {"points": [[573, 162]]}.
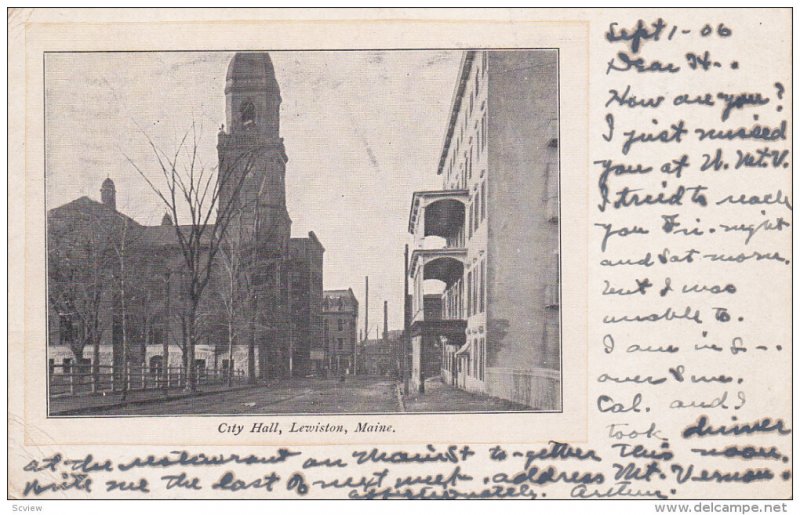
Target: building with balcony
{"points": [[486, 246], [339, 330]]}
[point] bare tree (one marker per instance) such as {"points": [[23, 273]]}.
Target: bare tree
{"points": [[76, 290], [244, 271], [189, 186], [123, 244], [81, 273], [233, 286]]}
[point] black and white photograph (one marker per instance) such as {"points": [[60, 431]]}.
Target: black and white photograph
{"points": [[302, 232], [401, 254]]}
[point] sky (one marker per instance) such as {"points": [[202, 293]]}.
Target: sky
{"points": [[362, 130]]}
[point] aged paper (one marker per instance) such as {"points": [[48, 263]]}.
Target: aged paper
{"points": [[214, 216]]}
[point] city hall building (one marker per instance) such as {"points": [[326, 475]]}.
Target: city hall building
{"points": [[486, 245], [275, 329]]}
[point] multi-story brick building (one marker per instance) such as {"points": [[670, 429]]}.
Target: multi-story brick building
{"points": [[495, 221], [305, 285], [340, 330], [276, 321]]}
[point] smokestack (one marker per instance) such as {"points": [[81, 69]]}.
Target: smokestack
{"points": [[385, 321]]}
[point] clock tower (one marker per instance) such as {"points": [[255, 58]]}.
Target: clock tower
{"points": [[251, 152]]}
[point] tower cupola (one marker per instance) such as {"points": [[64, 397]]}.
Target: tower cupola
{"points": [[251, 150], [252, 94], [108, 194]]}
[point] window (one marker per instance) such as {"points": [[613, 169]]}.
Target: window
{"points": [[475, 357], [341, 324], [485, 130], [200, 366], [483, 286], [481, 135], [475, 292], [482, 362], [471, 102], [155, 365], [158, 336], [477, 209], [155, 332], [460, 294], [469, 221], [84, 366], [51, 366], [340, 343], [477, 82], [67, 366], [248, 113], [483, 194], [469, 294]]}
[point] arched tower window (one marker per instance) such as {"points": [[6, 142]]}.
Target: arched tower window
{"points": [[248, 113]]}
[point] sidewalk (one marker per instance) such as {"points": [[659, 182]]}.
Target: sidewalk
{"points": [[441, 397], [98, 403]]}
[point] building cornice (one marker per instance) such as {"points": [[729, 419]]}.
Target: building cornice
{"points": [[458, 95]]}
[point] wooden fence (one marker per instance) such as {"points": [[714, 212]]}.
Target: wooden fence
{"points": [[79, 379]]}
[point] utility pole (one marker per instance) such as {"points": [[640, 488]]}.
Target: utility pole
{"points": [[406, 327], [366, 319]]}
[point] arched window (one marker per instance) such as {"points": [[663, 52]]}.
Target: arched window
{"points": [[248, 113], [155, 366]]}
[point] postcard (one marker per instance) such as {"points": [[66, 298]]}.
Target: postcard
{"points": [[400, 254]]}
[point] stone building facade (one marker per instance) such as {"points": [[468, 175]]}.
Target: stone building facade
{"points": [[340, 330], [488, 242], [276, 298]]}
